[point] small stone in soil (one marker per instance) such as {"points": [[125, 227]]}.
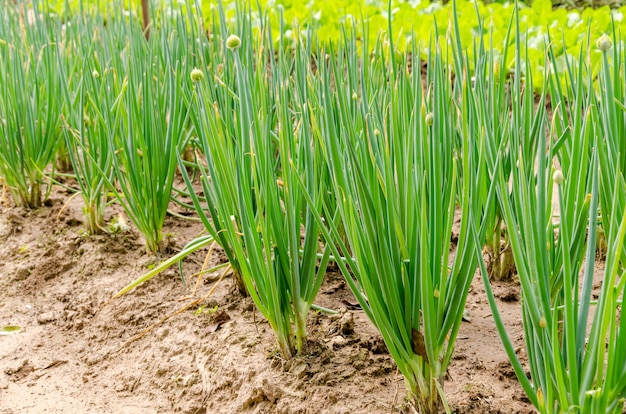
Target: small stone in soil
{"points": [[45, 318], [300, 370], [338, 342]]}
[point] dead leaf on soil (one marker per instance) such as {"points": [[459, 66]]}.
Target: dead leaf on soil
{"points": [[54, 363], [333, 288], [350, 305], [219, 319]]}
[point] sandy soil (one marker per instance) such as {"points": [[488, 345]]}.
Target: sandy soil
{"points": [[75, 355]]}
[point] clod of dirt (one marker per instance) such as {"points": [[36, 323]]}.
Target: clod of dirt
{"points": [[342, 323], [505, 370], [338, 342], [467, 316], [351, 305], [333, 288], [382, 367], [271, 391], [21, 371], [219, 319], [257, 396], [46, 318], [508, 294], [93, 359], [300, 370], [376, 345], [266, 392], [22, 273]]}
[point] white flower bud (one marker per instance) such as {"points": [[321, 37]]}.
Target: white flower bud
{"points": [[604, 43], [558, 177], [430, 118], [233, 42], [196, 75]]}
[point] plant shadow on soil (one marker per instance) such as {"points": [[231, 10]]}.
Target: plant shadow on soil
{"points": [[75, 355]]}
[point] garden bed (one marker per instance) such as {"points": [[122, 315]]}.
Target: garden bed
{"points": [[73, 353]]}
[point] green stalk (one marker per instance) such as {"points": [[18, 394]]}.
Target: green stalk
{"points": [[569, 369], [30, 103], [395, 177], [612, 127], [255, 207], [93, 118], [151, 127]]}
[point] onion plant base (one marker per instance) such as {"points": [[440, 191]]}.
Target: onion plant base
{"points": [[93, 215], [63, 162], [500, 263], [425, 391], [31, 199], [240, 286], [601, 245]]}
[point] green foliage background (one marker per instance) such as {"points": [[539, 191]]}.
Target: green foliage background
{"points": [[567, 29]]}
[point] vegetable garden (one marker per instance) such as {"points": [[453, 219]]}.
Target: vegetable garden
{"points": [[423, 152]]}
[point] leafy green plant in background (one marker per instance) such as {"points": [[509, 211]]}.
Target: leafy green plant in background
{"points": [[30, 103], [414, 21]]}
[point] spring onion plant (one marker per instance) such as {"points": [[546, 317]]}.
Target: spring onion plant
{"points": [[215, 84], [398, 175], [30, 102], [574, 126], [151, 126], [254, 201], [491, 124], [218, 88], [572, 368], [93, 118], [611, 102], [575, 353]]}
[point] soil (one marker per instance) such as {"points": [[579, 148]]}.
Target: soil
{"points": [[80, 352]]}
